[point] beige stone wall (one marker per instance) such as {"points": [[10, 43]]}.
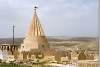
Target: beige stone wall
{"points": [[49, 58]]}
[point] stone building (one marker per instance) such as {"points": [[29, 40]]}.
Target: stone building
{"points": [[82, 55], [7, 50], [35, 41]]}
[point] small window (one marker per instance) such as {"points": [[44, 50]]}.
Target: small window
{"points": [[42, 46]]}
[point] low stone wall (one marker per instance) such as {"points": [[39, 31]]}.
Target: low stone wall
{"points": [[88, 64]]}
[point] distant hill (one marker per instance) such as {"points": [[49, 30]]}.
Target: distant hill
{"points": [[83, 41], [62, 38], [18, 41]]}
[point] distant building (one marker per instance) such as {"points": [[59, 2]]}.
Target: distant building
{"points": [[82, 55], [7, 49]]}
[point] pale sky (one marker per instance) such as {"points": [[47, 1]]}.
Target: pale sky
{"points": [[58, 17]]}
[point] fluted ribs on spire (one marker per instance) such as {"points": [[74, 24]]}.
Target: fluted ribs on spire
{"points": [[35, 37]]}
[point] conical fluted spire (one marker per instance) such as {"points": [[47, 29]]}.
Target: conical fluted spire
{"points": [[35, 35]]}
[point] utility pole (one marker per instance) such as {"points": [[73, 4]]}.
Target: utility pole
{"points": [[13, 34], [13, 40]]}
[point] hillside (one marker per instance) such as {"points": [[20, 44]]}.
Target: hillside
{"points": [[54, 41]]}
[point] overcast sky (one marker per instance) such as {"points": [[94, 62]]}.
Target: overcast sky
{"points": [[58, 17]]}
